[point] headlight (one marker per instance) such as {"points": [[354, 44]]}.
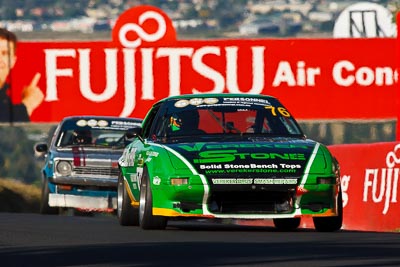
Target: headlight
{"points": [[335, 167], [327, 180], [64, 168], [179, 181]]}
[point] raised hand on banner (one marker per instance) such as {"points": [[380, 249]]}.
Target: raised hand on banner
{"points": [[32, 96]]}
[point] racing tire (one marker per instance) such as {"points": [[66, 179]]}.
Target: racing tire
{"points": [[287, 224], [127, 214], [44, 207], [147, 220], [330, 224]]}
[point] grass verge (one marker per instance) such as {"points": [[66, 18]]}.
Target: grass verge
{"points": [[16, 196]]}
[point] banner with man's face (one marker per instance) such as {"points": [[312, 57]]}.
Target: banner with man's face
{"points": [[144, 62]]}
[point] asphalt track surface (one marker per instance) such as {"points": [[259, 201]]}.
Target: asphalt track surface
{"points": [[51, 240]]}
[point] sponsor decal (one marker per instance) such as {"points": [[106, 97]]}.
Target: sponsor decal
{"points": [[196, 102], [255, 181], [133, 177], [182, 103], [281, 168], [380, 185], [204, 146], [246, 101], [345, 181], [120, 124], [216, 156], [103, 124], [92, 123], [156, 180], [153, 154], [234, 158], [139, 175], [240, 166], [81, 123], [128, 157]]}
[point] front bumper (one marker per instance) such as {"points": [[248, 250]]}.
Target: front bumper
{"points": [[85, 180], [82, 202], [191, 201]]}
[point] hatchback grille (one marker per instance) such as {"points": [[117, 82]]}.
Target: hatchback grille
{"points": [[113, 172]]}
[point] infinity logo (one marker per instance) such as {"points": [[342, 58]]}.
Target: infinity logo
{"points": [[142, 34], [392, 158]]}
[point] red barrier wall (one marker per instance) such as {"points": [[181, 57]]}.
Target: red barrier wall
{"points": [[370, 180], [398, 68]]}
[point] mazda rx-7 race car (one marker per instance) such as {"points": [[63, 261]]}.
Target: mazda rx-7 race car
{"points": [[81, 163], [226, 156]]}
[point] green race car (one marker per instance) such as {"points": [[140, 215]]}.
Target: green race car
{"points": [[226, 156]]}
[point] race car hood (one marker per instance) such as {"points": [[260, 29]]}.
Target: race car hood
{"points": [[276, 157]]}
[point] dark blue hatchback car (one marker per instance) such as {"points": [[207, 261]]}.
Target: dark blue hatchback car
{"points": [[81, 163]]}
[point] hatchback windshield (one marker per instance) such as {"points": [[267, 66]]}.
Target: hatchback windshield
{"points": [[94, 133]]}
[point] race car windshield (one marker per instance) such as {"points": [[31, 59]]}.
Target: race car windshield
{"points": [[72, 135], [227, 118]]}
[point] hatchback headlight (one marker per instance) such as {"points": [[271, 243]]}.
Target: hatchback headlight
{"points": [[64, 168]]}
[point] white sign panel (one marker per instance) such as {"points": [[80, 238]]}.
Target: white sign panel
{"points": [[364, 19]]}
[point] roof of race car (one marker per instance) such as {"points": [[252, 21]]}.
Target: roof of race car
{"points": [[207, 95]]}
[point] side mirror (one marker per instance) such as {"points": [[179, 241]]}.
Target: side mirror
{"points": [[135, 132], [40, 150]]}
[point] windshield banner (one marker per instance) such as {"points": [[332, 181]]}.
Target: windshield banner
{"points": [[144, 62]]}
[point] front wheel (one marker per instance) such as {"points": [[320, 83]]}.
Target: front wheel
{"points": [[330, 224], [126, 213], [146, 218], [44, 201]]}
